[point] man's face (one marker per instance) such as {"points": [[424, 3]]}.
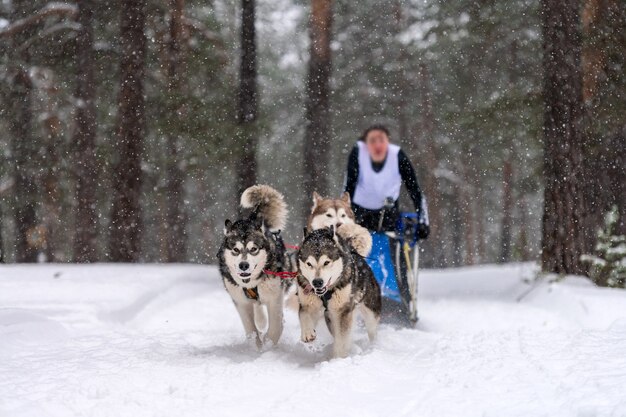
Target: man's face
{"points": [[377, 143]]}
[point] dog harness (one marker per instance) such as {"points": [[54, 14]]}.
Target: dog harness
{"points": [[326, 298], [329, 293], [251, 293], [373, 187]]}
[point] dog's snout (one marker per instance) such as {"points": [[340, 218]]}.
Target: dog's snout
{"points": [[244, 266], [318, 283]]}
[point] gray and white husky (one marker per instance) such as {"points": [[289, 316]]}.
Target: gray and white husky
{"points": [[252, 248], [333, 281]]}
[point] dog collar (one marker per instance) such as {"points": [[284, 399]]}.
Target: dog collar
{"points": [[251, 293]]}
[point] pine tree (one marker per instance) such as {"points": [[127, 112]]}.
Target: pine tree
{"points": [[126, 221], [176, 216], [317, 134], [85, 162], [608, 265], [564, 208], [247, 99], [24, 153]]}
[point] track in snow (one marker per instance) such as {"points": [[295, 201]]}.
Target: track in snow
{"points": [[153, 340]]}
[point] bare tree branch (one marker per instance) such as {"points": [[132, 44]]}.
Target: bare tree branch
{"points": [[200, 28], [59, 27], [51, 9]]}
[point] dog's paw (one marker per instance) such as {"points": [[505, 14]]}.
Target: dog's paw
{"points": [[308, 337], [254, 340], [269, 341]]}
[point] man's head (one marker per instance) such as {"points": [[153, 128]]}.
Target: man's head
{"points": [[376, 138]]}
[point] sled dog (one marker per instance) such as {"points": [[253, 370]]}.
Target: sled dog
{"points": [[336, 212], [330, 212], [251, 249], [333, 281]]}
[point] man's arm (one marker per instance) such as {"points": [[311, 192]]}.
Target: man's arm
{"points": [[352, 173], [410, 180]]}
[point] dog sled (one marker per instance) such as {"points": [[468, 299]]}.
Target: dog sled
{"points": [[394, 259]]}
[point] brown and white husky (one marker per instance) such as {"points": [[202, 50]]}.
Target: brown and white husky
{"points": [[337, 213], [328, 212]]}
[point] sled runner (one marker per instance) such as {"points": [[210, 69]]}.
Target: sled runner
{"points": [[394, 259]]}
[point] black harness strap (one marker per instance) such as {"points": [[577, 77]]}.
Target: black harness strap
{"points": [[251, 293], [325, 298]]}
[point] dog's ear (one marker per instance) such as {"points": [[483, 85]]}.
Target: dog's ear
{"points": [[345, 197], [316, 200], [227, 225]]}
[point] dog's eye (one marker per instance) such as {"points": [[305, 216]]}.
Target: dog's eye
{"points": [[343, 215], [254, 250], [309, 265], [235, 251], [326, 263], [329, 215]]}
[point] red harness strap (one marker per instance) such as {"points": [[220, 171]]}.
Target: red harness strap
{"points": [[281, 274], [292, 247]]}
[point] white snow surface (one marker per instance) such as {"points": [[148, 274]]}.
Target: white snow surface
{"points": [[157, 340]]}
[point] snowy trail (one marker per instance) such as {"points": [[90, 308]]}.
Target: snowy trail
{"points": [[153, 340]]}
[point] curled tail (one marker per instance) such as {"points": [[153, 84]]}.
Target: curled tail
{"points": [[358, 237], [267, 203]]}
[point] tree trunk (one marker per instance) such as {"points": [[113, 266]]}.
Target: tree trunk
{"points": [[176, 217], [126, 222], [85, 162], [467, 194], [507, 208], [435, 242], [51, 218], [24, 152], [248, 105], [2, 257], [563, 217], [456, 223], [401, 87], [523, 234], [617, 173], [593, 54], [318, 129]]}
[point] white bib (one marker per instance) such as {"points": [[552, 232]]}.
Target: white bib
{"points": [[372, 188]]}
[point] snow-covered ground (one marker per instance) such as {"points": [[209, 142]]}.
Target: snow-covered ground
{"points": [[154, 340]]}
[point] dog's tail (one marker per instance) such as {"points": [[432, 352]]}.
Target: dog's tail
{"points": [[268, 204], [358, 237]]}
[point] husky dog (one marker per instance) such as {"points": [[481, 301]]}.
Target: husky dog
{"points": [[252, 245], [328, 212], [333, 281]]}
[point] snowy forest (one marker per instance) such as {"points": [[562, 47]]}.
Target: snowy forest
{"points": [[131, 127], [183, 230]]}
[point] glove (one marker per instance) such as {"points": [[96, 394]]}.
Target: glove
{"points": [[422, 231]]}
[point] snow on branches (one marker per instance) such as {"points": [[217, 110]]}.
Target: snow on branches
{"points": [[608, 265]]}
